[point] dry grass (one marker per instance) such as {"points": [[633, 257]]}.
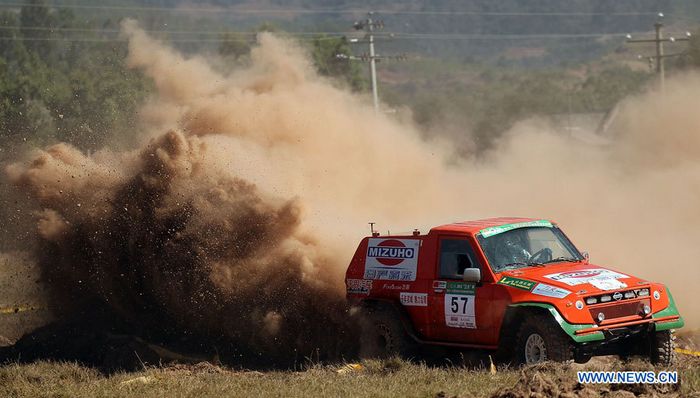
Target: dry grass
{"points": [[375, 379], [393, 378]]}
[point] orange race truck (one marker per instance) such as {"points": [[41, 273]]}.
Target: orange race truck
{"points": [[517, 286]]}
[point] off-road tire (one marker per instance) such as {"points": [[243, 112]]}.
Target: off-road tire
{"points": [[558, 346], [662, 350], [383, 335]]}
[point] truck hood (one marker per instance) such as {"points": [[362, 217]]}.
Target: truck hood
{"points": [[556, 279]]}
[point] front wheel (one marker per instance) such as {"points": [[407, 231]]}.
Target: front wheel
{"points": [[663, 348], [541, 339]]}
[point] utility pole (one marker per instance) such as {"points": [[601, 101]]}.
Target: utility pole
{"points": [[659, 58], [369, 25], [660, 55], [372, 60]]}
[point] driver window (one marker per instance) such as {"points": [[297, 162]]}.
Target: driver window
{"points": [[541, 238], [455, 256]]}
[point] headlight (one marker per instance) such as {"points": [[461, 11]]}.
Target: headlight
{"points": [[657, 295], [605, 299], [629, 294], [579, 304], [601, 317], [643, 292], [591, 300]]}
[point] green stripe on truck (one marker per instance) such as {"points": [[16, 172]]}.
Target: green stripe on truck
{"points": [[668, 311]]}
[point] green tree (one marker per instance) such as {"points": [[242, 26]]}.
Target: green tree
{"points": [[235, 45], [325, 51], [36, 22], [691, 59]]}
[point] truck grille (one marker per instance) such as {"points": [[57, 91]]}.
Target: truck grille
{"points": [[620, 309], [617, 296]]}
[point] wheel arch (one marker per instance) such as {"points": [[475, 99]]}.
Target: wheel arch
{"points": [[516, 313], [378, 304]]}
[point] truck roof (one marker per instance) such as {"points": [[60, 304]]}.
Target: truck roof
{"points": [[472, 227]]}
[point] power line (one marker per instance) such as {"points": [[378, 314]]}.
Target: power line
{"points": [[332, 11], [333, 35], [414, 37], [120, 40], [480, 36], [196, 32]]}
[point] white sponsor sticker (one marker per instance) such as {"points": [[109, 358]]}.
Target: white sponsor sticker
{"points": [[573, 278], [359, 286], [459, 311], [544, 289], [414, 299], [391, 259], [608, 284]]}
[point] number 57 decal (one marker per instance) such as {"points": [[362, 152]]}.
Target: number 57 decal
{"points": [[459, 311]]}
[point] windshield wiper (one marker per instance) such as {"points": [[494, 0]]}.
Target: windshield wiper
{"points": [[537, 264], [515, 264], [567, 259]]}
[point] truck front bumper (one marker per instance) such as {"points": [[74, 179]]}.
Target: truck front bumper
{"points": [[668, 318]]}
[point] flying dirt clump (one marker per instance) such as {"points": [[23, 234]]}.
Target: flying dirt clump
{"points": [[169, 242]]}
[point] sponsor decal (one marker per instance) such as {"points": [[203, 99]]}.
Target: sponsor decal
{"points": [[414, 299], [573, 278], [460, 287], [617, 296], [392, 259], [544, 289], [608, 284], [459, 305], [359, 286], [523, 284], [439, 285], [394, 286], [459, 311], [491, 231]]}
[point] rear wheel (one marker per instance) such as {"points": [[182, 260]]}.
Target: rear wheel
{"points": [[383, 335], [662, 348], [541, 339]]}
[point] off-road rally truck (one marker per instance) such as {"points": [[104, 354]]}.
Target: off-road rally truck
{"points": [[516, 286]]}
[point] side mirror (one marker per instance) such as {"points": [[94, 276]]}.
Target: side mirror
{"points": [[472, 275], [585, 257]]}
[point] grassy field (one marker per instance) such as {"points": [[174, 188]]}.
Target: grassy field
{"points": [[372, 379]]}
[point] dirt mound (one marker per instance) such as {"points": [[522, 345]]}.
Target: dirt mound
{"points": [[559, 380]]}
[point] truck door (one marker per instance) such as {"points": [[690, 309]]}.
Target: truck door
{"points": [[460, 310]]}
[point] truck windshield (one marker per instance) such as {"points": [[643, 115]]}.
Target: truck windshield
{"points": [[531, 246]]}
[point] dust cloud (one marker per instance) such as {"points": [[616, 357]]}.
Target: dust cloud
{"points": [[239, 212], [632, 202]]}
